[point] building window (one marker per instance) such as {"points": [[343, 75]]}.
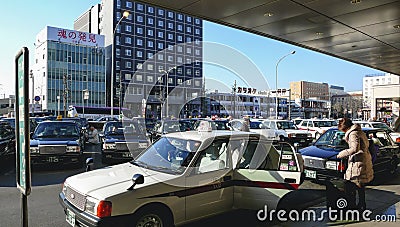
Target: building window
{"points": [[128, 28], [118, 15], [160, 57], [179, 81], [197, 52], [118, 4], [189, 71], [118, 52], [150, 43], [197, 72], [160, 34], [139, 42], [128, 65], [180, 16], [180, 49], [189, 29], [128, 40], [139, 77], [128, 76], [170, 25], [139, 7], [179, 59], [188, 39], [160, 68], [128, 52], [117, 64], [180, 27], [189, 19], [170, 36], [139, 18], [150, 32], [150, 21], [180, 38], [197, 21], [160, 23], [150, 67], [139, 30], [139, 66], [139, 54], [160, 12], [150, 79], [171, 15], [189, 82], [188, 50], [160, 46], [170, 58], [128, 4], [197, 31], [197, 83], [179, 70], [149, 55], [170, 47]]}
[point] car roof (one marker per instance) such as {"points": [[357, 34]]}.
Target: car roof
{"points": [[202, 136], [365, 129]]}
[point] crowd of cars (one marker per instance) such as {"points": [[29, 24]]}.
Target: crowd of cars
{"points": [[193, 166]]}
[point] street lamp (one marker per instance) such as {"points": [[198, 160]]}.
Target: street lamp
{"points": [[276, 82], [166, 72], [124, 15], [85, 96]]}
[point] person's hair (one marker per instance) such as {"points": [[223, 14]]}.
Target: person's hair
{"points": [[344, 124]]}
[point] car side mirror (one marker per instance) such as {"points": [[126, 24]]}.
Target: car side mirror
{"points": [[136, 179], [89, 164]]}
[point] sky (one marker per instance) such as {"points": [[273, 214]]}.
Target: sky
{"points": [[21, 21]]}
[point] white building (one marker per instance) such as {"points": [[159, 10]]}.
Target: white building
{"points": [[381, 95], [66, 63]]}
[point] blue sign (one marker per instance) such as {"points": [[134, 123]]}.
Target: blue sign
{"points": [[37, 98]]}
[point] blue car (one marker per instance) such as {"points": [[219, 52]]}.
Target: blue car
{"points": [[320, 162], [56, 142], [122, 141]]}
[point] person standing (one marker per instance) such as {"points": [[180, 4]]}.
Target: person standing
{"points": [[93, 135], [359, 169]]}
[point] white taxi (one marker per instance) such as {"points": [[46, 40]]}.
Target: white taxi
{"points": [[184, 177]]}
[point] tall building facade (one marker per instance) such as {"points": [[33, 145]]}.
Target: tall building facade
{"points": [[66, 63], [157, 58], [376, 79], [89, 21], [307, 90]]}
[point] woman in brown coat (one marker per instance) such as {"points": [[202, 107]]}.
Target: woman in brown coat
{"points": [[359, 169]]}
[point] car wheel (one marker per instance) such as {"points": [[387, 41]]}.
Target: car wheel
{"points": [[153, 216]]}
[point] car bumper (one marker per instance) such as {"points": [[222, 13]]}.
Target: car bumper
{"points": [[124, 155], [86, 219], [56, 159], [301, 141], [323, 174]]}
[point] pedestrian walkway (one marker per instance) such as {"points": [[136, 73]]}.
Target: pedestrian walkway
{"points": [[383, 209]]}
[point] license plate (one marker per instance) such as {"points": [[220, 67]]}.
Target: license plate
{"points": [[302, 141], [126, 155], [52, 159], [70, 217], [310, 173]]}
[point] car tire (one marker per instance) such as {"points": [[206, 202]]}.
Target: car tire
{"points": [[153, 215]]}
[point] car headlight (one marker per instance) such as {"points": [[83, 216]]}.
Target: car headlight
{"points": [[331, 165], [34, 150], [142, 145], [109, 146], [73, 149], [291, 135], [91, 204]]}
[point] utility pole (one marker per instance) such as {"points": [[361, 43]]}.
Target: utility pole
{"points": [[234, 99], [65, 93]]}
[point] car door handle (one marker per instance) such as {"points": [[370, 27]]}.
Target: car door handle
{"points": [[227, 178], [290, 180]]}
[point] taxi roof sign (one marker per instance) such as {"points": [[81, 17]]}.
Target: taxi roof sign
{"points": [[204, 126]]}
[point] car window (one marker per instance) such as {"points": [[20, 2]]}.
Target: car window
{"points": [[213, 158], [259, 156]]}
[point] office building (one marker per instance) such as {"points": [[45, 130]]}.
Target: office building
{"points": [[89, 21], [309, 90], [66, 63], [156, 52]]}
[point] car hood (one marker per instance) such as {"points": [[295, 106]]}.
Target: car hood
{"points": [[122, 138], [113, 180], [55, 141], [319, 152]]}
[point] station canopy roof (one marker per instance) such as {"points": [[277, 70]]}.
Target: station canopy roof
{"points": [[365, 32]]}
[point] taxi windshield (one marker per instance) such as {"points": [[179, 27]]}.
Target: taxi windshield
{"points": [[170, 155]]}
